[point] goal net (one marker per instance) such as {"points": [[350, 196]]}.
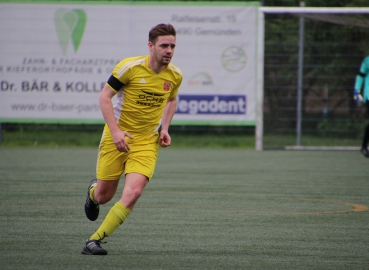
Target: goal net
{"points": [[311, 59]]}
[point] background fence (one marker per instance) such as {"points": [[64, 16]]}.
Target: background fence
{"points": [[333, 52]]}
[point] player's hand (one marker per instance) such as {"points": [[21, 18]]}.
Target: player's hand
{"points": [[164, 139], [119, 139], [357, 97]]}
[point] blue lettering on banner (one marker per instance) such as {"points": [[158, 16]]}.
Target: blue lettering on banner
{"points": [[211, 104]]}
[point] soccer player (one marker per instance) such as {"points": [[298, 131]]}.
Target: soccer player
{"points": [[146, 89], [363, 79]]}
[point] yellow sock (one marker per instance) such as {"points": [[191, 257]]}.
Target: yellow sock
{"points": [[116, 216], [92, 193]]}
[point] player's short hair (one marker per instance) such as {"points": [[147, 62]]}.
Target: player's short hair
{"points": [[161, 29]]}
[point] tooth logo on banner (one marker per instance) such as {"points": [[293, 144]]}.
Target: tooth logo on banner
{"points": [[70, 26]]}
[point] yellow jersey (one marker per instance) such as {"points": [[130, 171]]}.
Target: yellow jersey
{"points": [[142, 95]]}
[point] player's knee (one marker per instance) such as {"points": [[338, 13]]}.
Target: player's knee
{"points": [[102, 198], [136, 193]]}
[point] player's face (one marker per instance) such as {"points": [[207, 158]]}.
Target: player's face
{"points": [[163, 49]]}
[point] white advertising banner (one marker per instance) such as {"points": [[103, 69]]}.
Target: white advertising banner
{"points": [[55, 59]]}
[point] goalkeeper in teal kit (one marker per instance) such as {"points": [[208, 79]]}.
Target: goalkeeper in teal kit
{"points": [[361, 94]]}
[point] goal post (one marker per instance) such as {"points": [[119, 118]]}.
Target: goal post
{"points": [[332, 42], [260, 91]]}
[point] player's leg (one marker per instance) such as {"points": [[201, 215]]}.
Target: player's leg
{"points": [[139, 168], [109, 168], [132, 190], [102, 193], [133, 187], [105, 190], [99, 192], [364, 146]]}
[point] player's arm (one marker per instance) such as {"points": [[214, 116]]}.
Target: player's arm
{"points": [[364, 70], [107, 110], [167, 117]]}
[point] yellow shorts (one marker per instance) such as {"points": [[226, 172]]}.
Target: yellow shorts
{"points": [[141, 158]]}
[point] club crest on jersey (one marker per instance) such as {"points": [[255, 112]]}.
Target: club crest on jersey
{"points": [[167, 86]]}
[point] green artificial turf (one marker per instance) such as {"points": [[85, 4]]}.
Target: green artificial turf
{"points": [[204, 209]]}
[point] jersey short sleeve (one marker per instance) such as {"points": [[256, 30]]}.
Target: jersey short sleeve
{"points": [[122, 73], [178, 77]]}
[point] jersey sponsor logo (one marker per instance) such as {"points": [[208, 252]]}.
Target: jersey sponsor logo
{"points": [[70, 26], [142, 80], [167, 85], [211, 104], [150, 99]]}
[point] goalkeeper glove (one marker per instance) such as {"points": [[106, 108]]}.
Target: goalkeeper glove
{"points": [[357, 97]]}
